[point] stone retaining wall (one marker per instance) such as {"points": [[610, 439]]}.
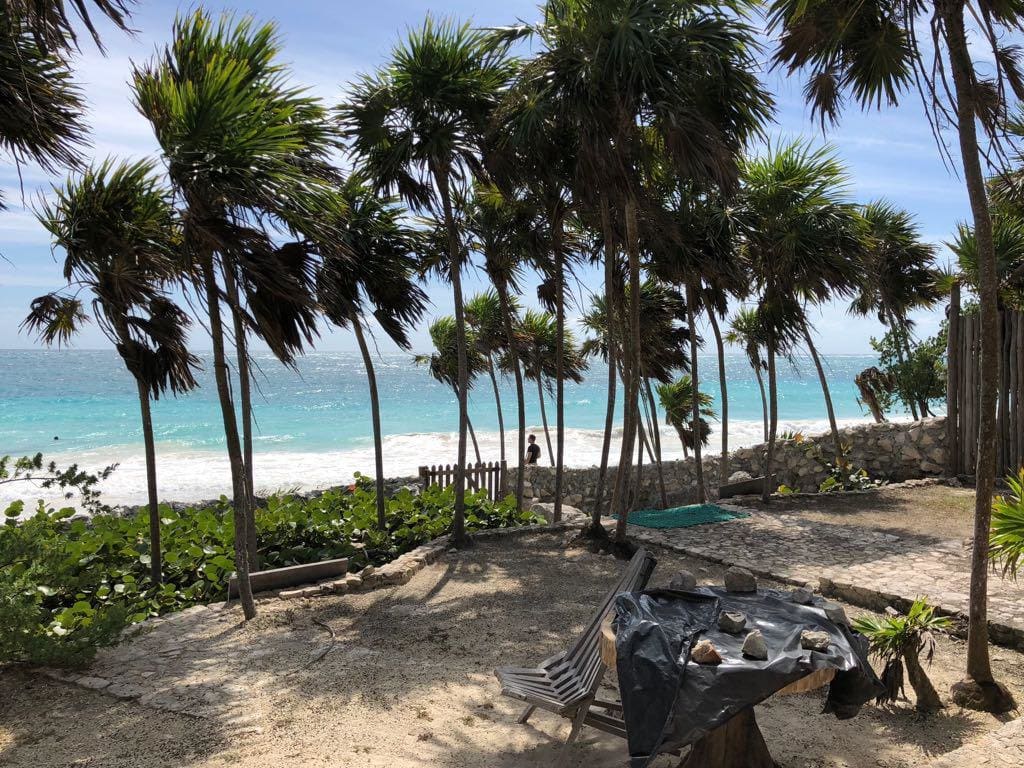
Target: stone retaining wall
{"points": [[891, 451]]}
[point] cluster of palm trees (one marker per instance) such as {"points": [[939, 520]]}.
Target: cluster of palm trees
{"points": [[622, 139]]}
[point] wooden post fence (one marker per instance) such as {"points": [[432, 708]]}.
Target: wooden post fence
{"points": [[491, 476], [963, 385]]}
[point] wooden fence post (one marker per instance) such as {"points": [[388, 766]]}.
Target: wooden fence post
{"points": [[953, 363]]}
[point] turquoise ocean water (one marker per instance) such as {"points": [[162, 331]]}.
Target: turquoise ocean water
{"points": [[313, 424]]}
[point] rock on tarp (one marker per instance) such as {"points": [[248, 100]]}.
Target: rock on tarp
{"points": [[670, 702]]}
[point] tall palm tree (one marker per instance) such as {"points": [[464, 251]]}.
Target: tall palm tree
{"points": [[368, 273], [443, 362], [898, 276], [699, 254], [119, 232], [745, 331], [501, 228], [43, 109], [874, 50], [249, 157], [418, 124], [534, 147], [662, 353], [538, 332], [802, 240], [618, 68], [485, 315]]}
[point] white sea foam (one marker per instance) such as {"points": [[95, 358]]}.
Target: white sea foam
{"points": [[185, 475]]}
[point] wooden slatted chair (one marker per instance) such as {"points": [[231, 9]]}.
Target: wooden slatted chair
{"points": [[567, 683]]}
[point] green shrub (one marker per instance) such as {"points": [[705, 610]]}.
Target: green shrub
{"points": [[68, 586], [1006, 537]]}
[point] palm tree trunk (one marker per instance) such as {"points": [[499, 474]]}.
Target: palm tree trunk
{"points": [[459, 537], [631, 373], [596, 529], [833, 427], [234, 447], [155, 565], [245, 401], [773, 423], [979, 669], [497, 404], [723, 468], [506, 319], [556, 513], [698, 465], [544, 418], [378, 440], [637, 488], [656, 439], [764, 399], [927, 697], [472, 435]]}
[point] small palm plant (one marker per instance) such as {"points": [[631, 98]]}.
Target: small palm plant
{"points": [[899, 641], [1006, 536]]}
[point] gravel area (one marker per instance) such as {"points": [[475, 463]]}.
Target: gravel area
{"points": [[407, 681]]}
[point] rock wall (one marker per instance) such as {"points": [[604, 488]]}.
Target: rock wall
{"points": [[891, 451]]}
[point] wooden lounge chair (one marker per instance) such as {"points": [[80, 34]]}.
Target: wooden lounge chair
{"points": [[567, 683]]}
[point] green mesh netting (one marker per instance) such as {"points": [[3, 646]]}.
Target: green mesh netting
{"points": [[682, 517]]}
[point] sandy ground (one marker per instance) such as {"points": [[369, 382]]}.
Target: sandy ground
{"points": [[937, 511], [409, 683]]}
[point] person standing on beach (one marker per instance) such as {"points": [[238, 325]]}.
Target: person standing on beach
{"points": [[532, 450]]}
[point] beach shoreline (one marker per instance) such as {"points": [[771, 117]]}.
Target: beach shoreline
{"points": [[189, 476]]}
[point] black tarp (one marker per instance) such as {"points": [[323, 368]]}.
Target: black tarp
{"points": [[669, 702]]}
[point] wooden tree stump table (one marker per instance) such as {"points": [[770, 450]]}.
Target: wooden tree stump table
{"points": [[737, 743]]}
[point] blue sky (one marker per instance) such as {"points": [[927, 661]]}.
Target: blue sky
{"points": [[889, 153]]}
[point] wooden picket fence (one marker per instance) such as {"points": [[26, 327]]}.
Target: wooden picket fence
{"points": [[963, 385], [490, 475]]}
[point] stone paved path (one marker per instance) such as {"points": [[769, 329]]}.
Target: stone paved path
{"points": [[871, 569], [1002, 748], [861, 566]]}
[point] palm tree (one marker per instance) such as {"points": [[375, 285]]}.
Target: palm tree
{"points": [[661, 355], [369, 273], [1008, 238], [803, 241], [534, 148], [745, 331], [898, 275], [418, 123], [538, 332], [501, 228], [612, 68], [443, 362], [120, 234], [676, 397], [485, 315], [248, 156], [43, 109], [874, 50]]}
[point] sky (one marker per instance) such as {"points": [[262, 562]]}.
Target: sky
{"points": [[888, 153]]}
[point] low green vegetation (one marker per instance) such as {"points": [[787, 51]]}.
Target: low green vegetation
{"points": [[69, 585], [1006, 539], [913, 372], [840, 474]]}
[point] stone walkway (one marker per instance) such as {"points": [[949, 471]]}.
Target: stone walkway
{"points": [[855, 564], [1002, 748]]}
